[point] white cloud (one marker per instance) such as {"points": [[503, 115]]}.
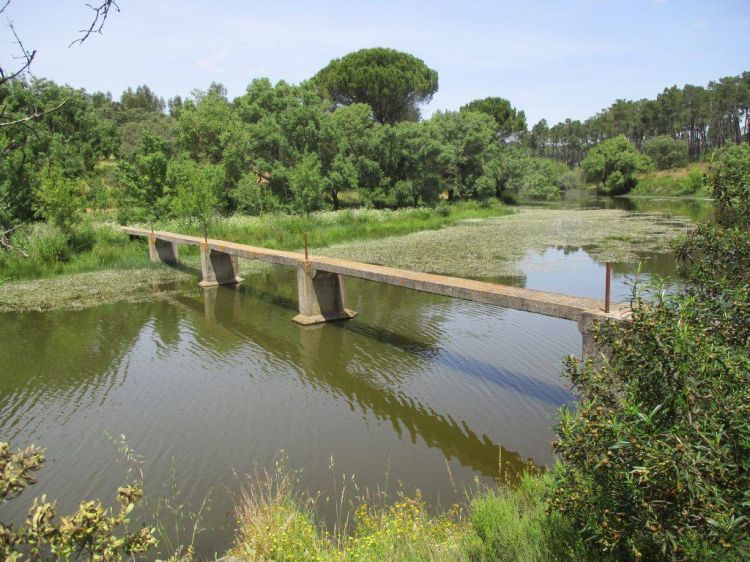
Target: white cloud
{"points": [[212, 63]]}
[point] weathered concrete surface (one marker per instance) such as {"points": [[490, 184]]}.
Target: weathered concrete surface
{"points": [[539, 302], [162, 251], [218, 268], [322, 296]]}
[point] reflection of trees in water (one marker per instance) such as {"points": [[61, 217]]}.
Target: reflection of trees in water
{"points": [[333, 360], [72, 352]]}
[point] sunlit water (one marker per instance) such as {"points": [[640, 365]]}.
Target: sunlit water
{"points": [[417, 392]]}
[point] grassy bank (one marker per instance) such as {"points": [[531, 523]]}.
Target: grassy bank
{"points": [[679, 182], [97, 245], [275, 522], [480, 243]]}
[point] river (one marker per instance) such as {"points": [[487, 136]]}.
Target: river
{"points": [[417, 392]]}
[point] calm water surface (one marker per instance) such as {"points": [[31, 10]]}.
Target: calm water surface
{"points": [[417, 391]]}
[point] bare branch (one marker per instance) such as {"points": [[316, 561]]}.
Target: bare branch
{"points": [[100, 17], [37, 115], [4, 6], [26, 56]]}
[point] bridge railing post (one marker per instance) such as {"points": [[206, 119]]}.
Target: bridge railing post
{"points": [[322, 296]]}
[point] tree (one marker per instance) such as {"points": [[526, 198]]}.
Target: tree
{"points": [[306, 184], [507, 118], [143, 181], [391, 82], [613, 164], [141, 99], [666, 152], [205, 125], [57, 200], [465, 138], [196, 189], [23, 118]]}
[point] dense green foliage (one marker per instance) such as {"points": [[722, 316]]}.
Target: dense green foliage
{"points": [[656, 460], [666, 152], [392, 83], [613, 163], [334, 141], [92, 531], [508, 119]]}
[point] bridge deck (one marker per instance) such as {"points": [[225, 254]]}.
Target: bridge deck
{"points": [[540, 302]]}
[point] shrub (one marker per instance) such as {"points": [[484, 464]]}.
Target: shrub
{"points": [[92, 531], [657, 456], [57, 199], [254, 198], [666, 152], [729, 179], [535, 185]]}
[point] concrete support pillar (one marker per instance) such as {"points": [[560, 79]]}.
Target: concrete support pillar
{"points": [[218, 268], [589, 348], [162, 251], [322, 296]]}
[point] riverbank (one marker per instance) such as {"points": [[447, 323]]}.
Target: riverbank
{"points": [[678, 182], [474, 242], [97, 244], [275, 522]]}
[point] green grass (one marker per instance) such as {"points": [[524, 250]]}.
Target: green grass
{"points": [[286, 232], [98, 246], [514, 525], [678, 182], [275, 522]]}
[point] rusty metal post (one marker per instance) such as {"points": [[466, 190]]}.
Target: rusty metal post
{"points": [[607, 286], [306, 246]]}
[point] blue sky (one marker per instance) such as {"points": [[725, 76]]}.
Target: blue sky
{"points": [[553, 59]]}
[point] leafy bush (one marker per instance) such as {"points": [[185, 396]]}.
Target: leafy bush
{"points": [[613, 164], [666, 152], [729, 178], [254, 198], [657, 456], [92, 531], [57, 199], [535, 185]]}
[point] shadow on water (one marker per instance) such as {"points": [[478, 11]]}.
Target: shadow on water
{"points": [[224, 308]]}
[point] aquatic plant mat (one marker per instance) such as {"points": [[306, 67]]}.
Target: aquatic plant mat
{"points": [[491, 248], [480, 248]]}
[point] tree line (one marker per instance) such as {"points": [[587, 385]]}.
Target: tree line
{"points": [[699, 118], [350, 135]]}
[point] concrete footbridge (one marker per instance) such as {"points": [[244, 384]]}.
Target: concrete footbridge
{"points": [[321, 282]]}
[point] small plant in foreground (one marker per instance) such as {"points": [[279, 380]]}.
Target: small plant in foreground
{"points": [[91, 531]]}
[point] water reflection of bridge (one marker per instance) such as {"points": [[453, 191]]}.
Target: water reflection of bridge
{"points": [[321, 282], [226, 309]]}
